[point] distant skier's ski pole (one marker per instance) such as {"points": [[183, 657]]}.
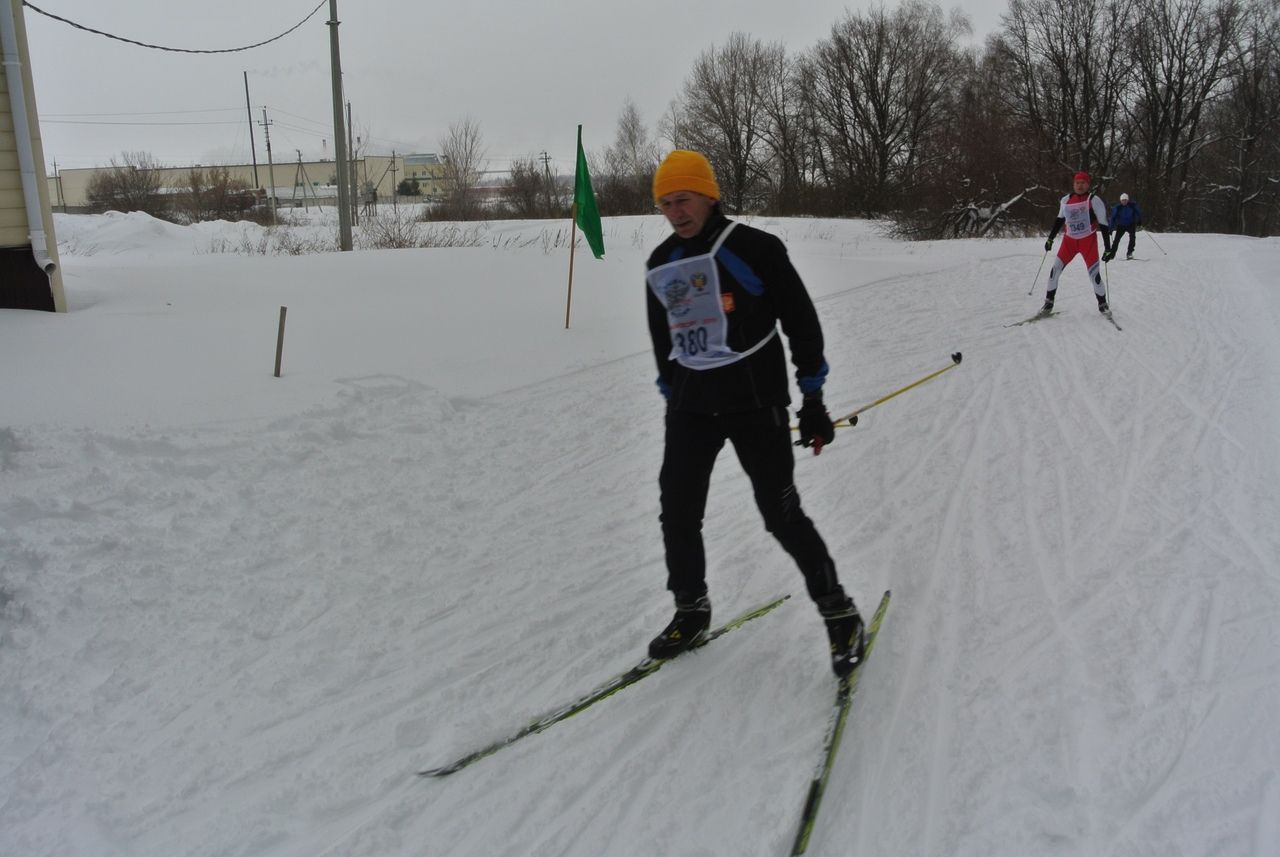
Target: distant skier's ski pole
{"points": [[851, 418], [1038, 270], [1154, 241]]}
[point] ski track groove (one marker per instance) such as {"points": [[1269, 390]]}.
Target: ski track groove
{"points": [[934, 607], [1157, 785], [958, 600]]}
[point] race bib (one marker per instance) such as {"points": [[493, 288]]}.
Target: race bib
{"points": [[1078, 225], [689, 289]]}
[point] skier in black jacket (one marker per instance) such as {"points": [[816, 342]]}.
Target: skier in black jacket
{"points": [[717, 292]]}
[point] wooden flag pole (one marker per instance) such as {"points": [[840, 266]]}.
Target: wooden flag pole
{"points": [[573, 239]]}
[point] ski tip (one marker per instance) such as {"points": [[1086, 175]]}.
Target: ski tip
{"points": [[436, 773]]}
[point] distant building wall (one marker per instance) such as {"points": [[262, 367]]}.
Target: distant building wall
{"points": [[70, 187], [428, 172]]}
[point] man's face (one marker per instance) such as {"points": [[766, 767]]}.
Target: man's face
{"points": [[686, 211], [1081, 186]]}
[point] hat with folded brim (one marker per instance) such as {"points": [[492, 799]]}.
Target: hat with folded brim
{"points": [[685, 170]]}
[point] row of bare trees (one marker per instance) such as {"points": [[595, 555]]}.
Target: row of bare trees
{"points": [[134, 183], [892, 114], [1176, 102]]}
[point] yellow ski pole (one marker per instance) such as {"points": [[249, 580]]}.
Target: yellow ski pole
{"points": [[851, 418]]}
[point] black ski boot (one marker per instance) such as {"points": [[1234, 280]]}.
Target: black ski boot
{"points": [[1102, 304], [693, 617], [845, 631], [1048, 303]]}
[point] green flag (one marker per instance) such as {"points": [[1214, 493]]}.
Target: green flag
{"points": [[584, 202]]}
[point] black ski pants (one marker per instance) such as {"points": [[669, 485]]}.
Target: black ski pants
{"points": [[1120, 230], [762, 441]]}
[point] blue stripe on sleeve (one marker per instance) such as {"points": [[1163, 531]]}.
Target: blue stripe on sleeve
{"points": [[813, 383], [741, 272]]}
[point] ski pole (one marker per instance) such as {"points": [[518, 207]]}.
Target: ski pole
{"points": [[851, 419], [1038, 270], [1154, 241]]}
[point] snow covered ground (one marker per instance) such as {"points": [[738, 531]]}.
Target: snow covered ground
{"points": [[237, 613]]}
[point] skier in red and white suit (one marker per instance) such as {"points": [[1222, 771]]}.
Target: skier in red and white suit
{"points": [[1084, 215]]}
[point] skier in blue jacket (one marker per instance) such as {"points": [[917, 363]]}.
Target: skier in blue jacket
{"points": [[1125, 217]]}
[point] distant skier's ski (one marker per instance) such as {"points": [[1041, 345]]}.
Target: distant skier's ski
{"points": [[835, 730], [1037, 317], [646, 667]]}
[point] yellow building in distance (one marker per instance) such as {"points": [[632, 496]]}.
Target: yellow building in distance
{"points": [[296, 184]]}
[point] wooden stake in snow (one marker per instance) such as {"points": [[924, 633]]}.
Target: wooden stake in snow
{"points": [[280, 340]]}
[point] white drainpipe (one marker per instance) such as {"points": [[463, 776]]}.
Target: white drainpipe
{"points": [[22, 130]]}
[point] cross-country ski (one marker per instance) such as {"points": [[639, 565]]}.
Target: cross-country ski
{"points": [[646, 667], [845, 690]]}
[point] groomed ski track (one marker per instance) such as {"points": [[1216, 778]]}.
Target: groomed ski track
{"points": [[1078, 526]]}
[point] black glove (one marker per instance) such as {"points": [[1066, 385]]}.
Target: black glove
{"points": [[1109, 255], [1048, 244], [816, 429]]}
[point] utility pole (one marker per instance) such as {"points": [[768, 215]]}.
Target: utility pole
{"points": [[253, 150], [271, 169], [57, 176], [546, 166], [395, 188], [299, 176], [339, 136], [351, 152]]}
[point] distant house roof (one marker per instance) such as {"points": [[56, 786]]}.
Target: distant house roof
{"points": [[422, 160]]}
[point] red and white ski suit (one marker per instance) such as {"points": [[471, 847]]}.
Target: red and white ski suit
{"points": [[1083, 215]]}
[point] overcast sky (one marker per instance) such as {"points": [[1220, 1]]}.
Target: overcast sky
{"points": [[527, 72]]}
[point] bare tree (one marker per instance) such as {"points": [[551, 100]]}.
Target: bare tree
{"points": [[132, 184], [1068, 75], [882, 83], [784, 130], [212, 194], [671, 126], [463, 153], [723, 95], [624, 186], [1180, 52], [527, 189], [1241, 173]]}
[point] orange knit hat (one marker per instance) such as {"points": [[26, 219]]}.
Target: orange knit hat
{"points": [[685, 170]]}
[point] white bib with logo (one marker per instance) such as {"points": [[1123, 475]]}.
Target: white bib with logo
{"points": [[1077, 217], [690, 291]]}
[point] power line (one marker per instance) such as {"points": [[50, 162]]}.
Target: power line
{"points": [[44, 121], [36, 8], [146, 112], [303, 118]]}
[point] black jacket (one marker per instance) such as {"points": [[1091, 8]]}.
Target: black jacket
{"points": [[764, 289]]}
